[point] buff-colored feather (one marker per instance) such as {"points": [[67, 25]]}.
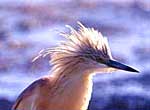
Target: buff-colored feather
{"points": [[84, 42]]}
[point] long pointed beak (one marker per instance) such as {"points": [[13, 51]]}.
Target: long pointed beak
{"points": [[117, 65]]}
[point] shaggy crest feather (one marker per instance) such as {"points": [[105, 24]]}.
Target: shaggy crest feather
{"points": [[81, 43]]}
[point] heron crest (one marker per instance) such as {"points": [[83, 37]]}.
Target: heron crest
{"points": [[81, 43]]}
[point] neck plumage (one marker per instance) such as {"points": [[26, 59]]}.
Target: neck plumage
{"points": [[74, 86]]}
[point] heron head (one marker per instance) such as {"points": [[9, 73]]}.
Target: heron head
{"points": [[92, 49], [85, 48]]}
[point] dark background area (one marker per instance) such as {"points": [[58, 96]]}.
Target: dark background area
{"points": [[28, 26]]}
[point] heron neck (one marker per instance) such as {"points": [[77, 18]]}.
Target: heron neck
{"points": [[75, 87]]}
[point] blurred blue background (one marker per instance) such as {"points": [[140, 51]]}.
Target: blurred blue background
{"points": [[27, 26]]}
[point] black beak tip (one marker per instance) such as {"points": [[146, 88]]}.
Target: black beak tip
{"points": [[133, 70]]}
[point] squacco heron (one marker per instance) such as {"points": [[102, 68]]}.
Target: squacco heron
{"points": [[74, 62]]}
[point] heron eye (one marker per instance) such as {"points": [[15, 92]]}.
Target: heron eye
{"points": [[100, 60]]}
